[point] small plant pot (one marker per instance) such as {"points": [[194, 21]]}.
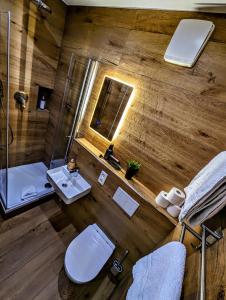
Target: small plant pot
{"points": [[130, 173]]}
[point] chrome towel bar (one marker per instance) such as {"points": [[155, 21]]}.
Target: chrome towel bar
{"points": [[204, 244]]}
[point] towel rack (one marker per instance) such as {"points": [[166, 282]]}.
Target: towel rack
{"points": [[204, 244]]}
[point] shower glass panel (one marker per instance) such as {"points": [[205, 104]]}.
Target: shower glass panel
{"points": [[22, 176], [66, 113], [77, 81], [4, 94], [23, 159]]}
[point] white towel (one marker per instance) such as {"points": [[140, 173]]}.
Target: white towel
{"points": [[28, 192], [206, 193], [159, 275]]}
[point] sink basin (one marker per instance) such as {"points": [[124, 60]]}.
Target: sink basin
{"points": [[69, 186]]}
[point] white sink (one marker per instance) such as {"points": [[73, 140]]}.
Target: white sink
{"points": [[69, 186]]}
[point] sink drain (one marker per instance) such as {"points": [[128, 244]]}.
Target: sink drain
{"points": [[64, 185]]}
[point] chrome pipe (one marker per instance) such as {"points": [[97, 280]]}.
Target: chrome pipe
{"points": [[214, 234], [182, 234], [7, 107], [64, 100], [87, 84], [203, 266], [203, 246], [77, 109], [193, 232], [42, 6]]}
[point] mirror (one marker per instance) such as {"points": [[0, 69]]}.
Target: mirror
{"points": [[112, 102]]}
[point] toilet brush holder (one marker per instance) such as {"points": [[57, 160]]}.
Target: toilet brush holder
{"points": [[116, 268]]}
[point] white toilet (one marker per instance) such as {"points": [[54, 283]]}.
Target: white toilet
{"points": [[87, 254]]}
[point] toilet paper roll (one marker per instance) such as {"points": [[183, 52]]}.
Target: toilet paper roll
{"points": [[162, 200], [173, 210], [176, 196]]}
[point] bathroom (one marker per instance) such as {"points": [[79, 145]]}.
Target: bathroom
{"points": [[60, 62]]}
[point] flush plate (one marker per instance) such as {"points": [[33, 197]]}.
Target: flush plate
{"points": [[125, 201]]}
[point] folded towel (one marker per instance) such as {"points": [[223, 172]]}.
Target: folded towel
{"points": [[159, 275], [206, 193], [28, 192]]}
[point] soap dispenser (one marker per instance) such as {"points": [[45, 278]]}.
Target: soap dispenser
{"points": [[42, 104]]}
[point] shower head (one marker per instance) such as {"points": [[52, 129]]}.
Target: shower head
{"points": [[42, 6]]}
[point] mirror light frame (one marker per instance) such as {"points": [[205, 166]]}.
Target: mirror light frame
{"points": [[128, 105]]}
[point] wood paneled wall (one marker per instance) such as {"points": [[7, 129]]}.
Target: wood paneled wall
{"points": [[35, 49], [139, 234], [215, 265], [215, 273], [176, 122]]}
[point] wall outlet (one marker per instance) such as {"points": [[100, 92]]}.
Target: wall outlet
{"points": [[102, 178]]}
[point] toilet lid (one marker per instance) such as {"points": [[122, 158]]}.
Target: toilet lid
{"points": [[86, 255]]}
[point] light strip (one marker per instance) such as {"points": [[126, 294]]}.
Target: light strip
{"points": [[124, 112]]}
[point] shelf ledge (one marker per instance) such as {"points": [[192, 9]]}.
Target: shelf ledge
{"points": [[134, 184]]}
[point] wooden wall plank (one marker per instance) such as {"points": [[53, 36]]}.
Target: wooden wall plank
{"points": [[175, 124], [35, 48], [139, 234], [215, 266]]}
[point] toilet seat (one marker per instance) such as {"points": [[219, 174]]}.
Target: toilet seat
{"points": [[87, 254]]}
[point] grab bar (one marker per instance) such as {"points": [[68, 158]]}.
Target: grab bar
{"points": [[192, 231], [204, 245], [203, 266]]}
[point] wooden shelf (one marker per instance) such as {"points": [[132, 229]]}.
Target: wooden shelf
{"points": [[134, 184], [42, 110]]}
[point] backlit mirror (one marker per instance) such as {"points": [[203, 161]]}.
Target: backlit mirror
{"points": [[111, 107]]}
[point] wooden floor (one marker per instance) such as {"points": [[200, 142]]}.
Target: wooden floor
{"points": [[32, 248]]}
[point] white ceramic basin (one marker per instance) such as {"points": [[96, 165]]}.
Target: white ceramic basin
{"points": [[69, 186]]}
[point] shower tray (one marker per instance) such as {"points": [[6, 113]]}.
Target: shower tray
{"points": [[30, 177]]}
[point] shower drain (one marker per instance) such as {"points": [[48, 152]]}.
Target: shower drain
{"points": [[47, 185]]}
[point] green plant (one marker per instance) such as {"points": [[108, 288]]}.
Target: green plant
{"points": [[133, 164]]}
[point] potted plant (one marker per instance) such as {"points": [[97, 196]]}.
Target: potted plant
{"points": [[133, 167]]}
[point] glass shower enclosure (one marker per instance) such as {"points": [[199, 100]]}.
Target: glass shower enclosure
{"points": [[19, 184], [23, 180], [4, 97]]}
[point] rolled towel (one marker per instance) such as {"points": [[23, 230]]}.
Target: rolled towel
{"points": [[28, 192], [206, 193], [159, 275]]}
